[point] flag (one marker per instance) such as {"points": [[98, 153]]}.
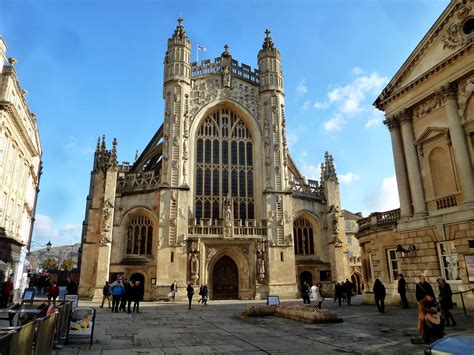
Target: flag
{"points": [[202, 48]]}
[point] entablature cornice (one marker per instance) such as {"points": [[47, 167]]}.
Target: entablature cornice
{"points": [[10, 108]]}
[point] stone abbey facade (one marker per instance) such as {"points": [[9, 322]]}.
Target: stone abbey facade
{"points": [[429, 108], [215, 197]]}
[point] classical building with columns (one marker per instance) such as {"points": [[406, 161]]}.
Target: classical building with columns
{"points": [[215, 197], [429, 109], [20, 170]]}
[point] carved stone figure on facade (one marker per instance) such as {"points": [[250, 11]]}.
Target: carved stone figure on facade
{"points": [[287, 217], [228, 217], [105, 240], [260, 266], [226, 77], [289, 240], [185, 149], [194, 266], [174, 164]]}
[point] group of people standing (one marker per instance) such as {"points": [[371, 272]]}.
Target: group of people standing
{"points": [[315, 293], [343, 292], [432, 316], [123, 293]]}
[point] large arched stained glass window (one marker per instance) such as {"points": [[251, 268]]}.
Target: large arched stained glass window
{"points": [[139, 236], [304, 240], [224, 166]]}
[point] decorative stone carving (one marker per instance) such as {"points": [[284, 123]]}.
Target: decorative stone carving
{"points": [[228, 217], [466, 88], [427, 107], [447, 92], [174, 164], [287, 217], [181, 213], [226, 77], [289, 240], [210, 252], [185, 149], [207, 90]]}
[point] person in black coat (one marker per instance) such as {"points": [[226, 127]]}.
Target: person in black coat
{"points": [[423, 289], [379, 295], [446, 301], [402, 290], [126, 296], [137, 296], [305, 293], [190, 292], [348, 291]]}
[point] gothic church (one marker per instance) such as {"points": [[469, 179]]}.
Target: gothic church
{"points": [[215, 197]]}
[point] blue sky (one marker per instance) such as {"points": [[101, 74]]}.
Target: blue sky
{"points": [[96, 67]]}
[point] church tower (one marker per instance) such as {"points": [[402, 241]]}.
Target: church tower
{"points": [[277, 191]]}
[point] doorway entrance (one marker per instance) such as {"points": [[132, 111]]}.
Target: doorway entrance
{"points": [[225, 279]]}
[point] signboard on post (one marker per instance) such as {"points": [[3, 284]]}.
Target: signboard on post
{"points": [[74, 299]]}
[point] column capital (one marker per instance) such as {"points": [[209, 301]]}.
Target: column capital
{"points": [[448, 92], [391, 122], [404, 116]]}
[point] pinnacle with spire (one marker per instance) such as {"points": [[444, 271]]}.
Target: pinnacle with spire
{"points": [[268, 43], [179, 32], [328, 171]]}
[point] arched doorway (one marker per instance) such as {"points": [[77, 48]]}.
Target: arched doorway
{"points": [[306, 276], [138, 277], [225, 279], [355, 279]]}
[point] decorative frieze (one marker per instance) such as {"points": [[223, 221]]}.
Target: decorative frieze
{"points": [[447, 92], [427, 107]]}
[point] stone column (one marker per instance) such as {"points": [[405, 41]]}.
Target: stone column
{"points": [[413, 165], [448, 94], [400, 167]]}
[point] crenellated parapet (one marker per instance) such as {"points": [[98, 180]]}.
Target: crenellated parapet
{"points": [[208, 67]]}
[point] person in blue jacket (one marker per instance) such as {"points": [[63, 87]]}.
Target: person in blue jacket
{"points": [[117, 291]]}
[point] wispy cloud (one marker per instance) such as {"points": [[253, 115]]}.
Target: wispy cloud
{"points": [[348, 177], [335, 123], [306, 105], [45, 230], [375, 120], [302, 89], [291, 138], [74, 146], [385, 198], [349, 100]]}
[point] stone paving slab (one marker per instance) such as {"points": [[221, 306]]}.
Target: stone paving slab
{"points": [[170, 328]]}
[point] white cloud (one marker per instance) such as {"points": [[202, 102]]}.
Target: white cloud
{"points": [[306, 105], [357, 71], [311, 171], [301, 89], [74, 146], [291, 138], [385, 198], [372, 122], [348, 177], [45, 230], [320, 105], [335, 123], [350, 100]]}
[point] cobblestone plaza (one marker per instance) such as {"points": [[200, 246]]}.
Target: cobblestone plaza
{"points": [[170, 328]]}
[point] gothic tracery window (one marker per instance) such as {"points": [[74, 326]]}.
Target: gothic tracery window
{"points": [[224, 166], [139, 236], [304, 240]]}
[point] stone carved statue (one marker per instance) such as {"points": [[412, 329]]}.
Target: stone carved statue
{"points": [[228, 218], [226, 77], [194, 266], [260, 265]]}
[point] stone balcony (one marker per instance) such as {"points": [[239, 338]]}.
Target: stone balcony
{"points": [[311, 189], [137, 182], [215, 227], [378, 220]]}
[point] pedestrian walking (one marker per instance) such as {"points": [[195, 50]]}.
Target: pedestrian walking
{"points": [[379, 295], [205, 296], [71, 287], [137, 296], [200, 293], [53, 293], [319, 294], [106, 292], [348, 291], [305, 293], [339, 290], [446, 301], [190, 293], [7, 290], [174, 289], [423, 288], [117, 291], [402, 290], [129, 294]]}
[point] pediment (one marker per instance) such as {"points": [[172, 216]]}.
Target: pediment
{"points": [[432, 133], [445, 39]]}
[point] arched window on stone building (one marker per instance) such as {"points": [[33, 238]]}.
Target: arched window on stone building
{"points": [[304, 238], [139, 236], [224, 166]]}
